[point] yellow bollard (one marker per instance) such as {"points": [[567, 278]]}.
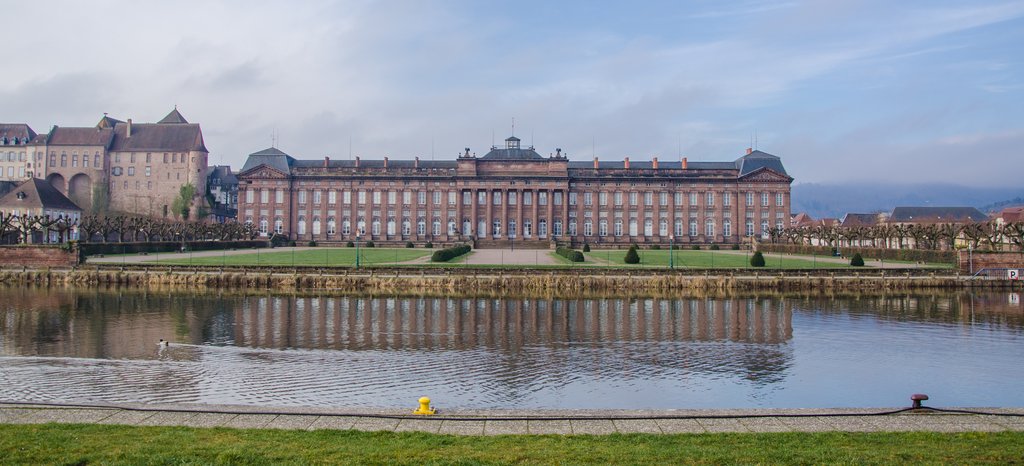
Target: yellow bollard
{"points": [[424, 407]]}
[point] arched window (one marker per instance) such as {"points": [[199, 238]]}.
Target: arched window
{"points": [[346, 227], [278, 225], [602, 228], [511, 224], [435, 227], [391, 225], [527, 228], [302, 225], [588, 228], [406, 227], [316, 226], [467, 227], [451, 226], [709, 228], [496, 228], [263, 226], [375, 226], [421, 226], [361, 227], [542, 228], [481, 227], [693, 227], [617, 231], [633, 227], [332, 226], [556, 228], [663, 227], [572, 228], [727, 228], [648, 227]]}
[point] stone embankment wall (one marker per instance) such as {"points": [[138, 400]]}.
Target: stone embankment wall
{"points": [[37, 256], [989, 260]]}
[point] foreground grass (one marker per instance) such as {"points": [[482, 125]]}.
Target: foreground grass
{"points": [[84, 444], [316, 257]]}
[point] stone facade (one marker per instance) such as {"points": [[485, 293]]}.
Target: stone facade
{"points": [[15, 140], [514, 196], [128, 167]]}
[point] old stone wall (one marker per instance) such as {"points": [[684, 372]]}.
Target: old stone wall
{"points": [[37, 256], [966, 261]]}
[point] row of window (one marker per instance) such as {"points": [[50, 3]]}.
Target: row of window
{"points": [[512, 197], [618, 227], [12, 157]]}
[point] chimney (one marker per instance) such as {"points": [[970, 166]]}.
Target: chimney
{"points": [[749, 150], [357, 161], [385, 163], [684, 163], [626, 163], [595, 163], [654, 163], [327, 161], [129, 131], [416, 164]]}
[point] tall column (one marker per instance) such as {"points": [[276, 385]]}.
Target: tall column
{"points": [[550, 212], [473, 224], [565, 213], [519, 213], [533, 211]]}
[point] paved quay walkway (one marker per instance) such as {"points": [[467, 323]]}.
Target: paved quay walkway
{"points": [[476, 422]]}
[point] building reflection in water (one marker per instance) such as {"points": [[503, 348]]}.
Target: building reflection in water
{"points": [[350, 323], [366, 351]]}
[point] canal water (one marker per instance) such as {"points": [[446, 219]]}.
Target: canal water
{"points": [[963, 349]]}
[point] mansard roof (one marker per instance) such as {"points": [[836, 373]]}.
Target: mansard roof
{"points": [[35, 193], [757, 160], [271, 157], [19, 132]]}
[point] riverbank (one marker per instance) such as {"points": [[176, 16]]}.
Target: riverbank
{"points": [[117, 436], [530, 281]]}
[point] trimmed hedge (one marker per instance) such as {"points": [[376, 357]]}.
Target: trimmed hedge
{"points": [[90, 249], [586, 247], [757, 260], [912, 255], [569, 253], [631, 256], [857, 260], [445, 255], [429, 245], [408, 244]]}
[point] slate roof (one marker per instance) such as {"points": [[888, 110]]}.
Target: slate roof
{"points": [[173, 118], [936, 215], [497, 153], [271, 157], [756, 160], [802, 219], [108, 122], [638, 164], [363, 163], [21, 131], [159, 137], [221, 174], [37, 193], [80, 136]]}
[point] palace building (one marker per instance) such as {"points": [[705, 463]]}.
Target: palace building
{"points": [[513, 196]]}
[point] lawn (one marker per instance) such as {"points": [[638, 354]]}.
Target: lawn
{"points": [[709, 259], [99, 444], [317, 257]]}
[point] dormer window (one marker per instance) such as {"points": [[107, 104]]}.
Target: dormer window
{"points": [[512, 143], [21, 195]]}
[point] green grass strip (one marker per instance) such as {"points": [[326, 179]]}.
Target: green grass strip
{"points": [[99, 444], [316, 257]]}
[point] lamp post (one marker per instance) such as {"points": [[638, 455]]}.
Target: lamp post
{"points": [[671, 251], [357, 252]]}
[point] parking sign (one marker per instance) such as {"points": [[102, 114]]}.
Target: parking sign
{"points": [[1013, 274]]}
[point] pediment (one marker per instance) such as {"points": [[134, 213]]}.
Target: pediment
{"points": [[263, 172], [766, 175]]}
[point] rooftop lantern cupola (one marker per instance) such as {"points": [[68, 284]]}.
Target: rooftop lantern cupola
{"points": [[512, 143]]}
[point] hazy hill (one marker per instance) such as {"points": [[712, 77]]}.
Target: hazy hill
{"points": [[828, 200]]}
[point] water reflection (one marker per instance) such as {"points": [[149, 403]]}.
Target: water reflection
{"points": [[384, 351]]}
